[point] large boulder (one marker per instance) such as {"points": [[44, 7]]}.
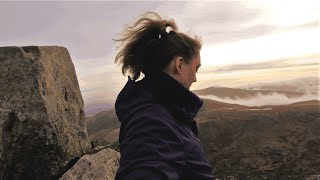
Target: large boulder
{"points": [[42, 123], [98, 166]]}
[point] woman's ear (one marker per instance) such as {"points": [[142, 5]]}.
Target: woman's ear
{"points": [[178, 64]]}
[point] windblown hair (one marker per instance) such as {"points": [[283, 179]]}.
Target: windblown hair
{"points": [[147, 46]]}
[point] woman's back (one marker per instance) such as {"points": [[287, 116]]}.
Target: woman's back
{"points": [[157, 138], [158, 135]]}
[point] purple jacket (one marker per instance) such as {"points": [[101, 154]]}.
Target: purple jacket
{"points": [[158, 136]]}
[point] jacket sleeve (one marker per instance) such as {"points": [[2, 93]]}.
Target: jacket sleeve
{"points": [[151, 148]]}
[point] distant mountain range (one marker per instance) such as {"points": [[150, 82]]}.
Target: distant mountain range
{"points": [[234, 93], [289, 88], [94, 108], [261, 94], [305, 85], [216, 106], [283, 92], [102, 121]]}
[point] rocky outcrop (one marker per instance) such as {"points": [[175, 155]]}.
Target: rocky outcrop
{"points": [[99, 166], [42, 125], [96, 143]]}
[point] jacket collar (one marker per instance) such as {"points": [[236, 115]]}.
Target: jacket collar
{"points": [[168, 91]]}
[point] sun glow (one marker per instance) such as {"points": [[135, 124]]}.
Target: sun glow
{"points": [[274, 46]]}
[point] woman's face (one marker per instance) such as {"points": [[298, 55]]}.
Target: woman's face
{"points": [[189, 71]]}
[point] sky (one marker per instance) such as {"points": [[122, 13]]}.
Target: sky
{"points": [[244, 41]]}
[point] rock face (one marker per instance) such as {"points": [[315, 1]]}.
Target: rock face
{"points": [[42, 125], [101, 165]]}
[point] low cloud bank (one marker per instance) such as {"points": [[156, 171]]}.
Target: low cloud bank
{"points": [[262, 100], [306, 85]]}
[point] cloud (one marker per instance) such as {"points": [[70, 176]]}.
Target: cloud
{"points": [[234, 32], [85, 28], [229, 13], [306, 60], [264, 48], [288, 13], [239, 34], [309, 24], [306, 85], [207, 78], [99, 80], [216, 21], [226, 21], [20, 20], [262, 100]]}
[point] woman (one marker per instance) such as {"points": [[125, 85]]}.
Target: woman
{"points": [[158, 135]]}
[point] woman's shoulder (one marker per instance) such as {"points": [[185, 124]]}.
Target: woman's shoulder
{"points": [[155, 111]]}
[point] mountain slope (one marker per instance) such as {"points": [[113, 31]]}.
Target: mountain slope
{"points": [[270, 142], [101, 121]]}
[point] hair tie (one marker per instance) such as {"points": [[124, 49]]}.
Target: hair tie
{"points": [[168, 30]]}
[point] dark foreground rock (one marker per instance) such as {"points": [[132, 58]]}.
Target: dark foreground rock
{"points": [[42, 125]]}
